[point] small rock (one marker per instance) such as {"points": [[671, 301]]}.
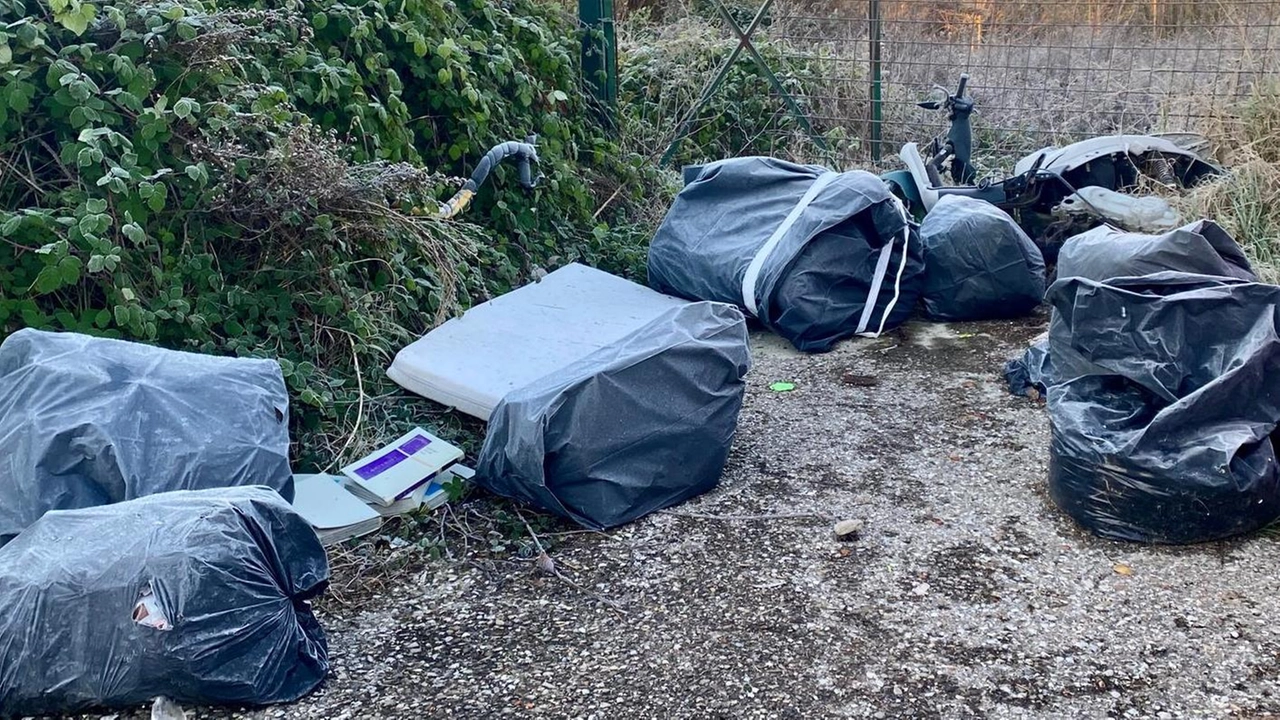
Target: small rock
{"points": [[847, 530], [921, 590]]}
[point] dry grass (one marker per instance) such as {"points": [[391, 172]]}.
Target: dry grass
{"points": [[1247, 202]]}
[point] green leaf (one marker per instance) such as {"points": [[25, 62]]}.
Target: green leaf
{"points": [[69, 268], [319, 21], [134, 232], [97, 206], [49, 279], [11, 225], [122, 315], [444, 76], [175, 12], [102, 319], [156, 201], [96, 263], [184, 108]]}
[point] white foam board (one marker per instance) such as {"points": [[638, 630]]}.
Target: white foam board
{"points": [[473, 361]]}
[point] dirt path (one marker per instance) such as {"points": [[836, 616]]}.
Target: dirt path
{"points": [[967, 595]]}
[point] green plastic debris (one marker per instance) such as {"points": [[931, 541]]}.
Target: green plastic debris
{"points": [[782, 387]]}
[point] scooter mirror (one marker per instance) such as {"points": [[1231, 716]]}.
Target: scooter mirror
{"points": [[930, 105]]}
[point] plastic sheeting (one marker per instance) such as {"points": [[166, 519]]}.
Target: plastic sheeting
{"points": [[634, 427], [979, 265], [1201, 248], [1104, 253], [817, 256], [197, 596], [89, 421], [1031, 370], [1163, 430]]}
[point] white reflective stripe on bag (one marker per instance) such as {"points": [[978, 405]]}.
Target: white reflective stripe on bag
{"points": [[882, 266], [757, 262]]}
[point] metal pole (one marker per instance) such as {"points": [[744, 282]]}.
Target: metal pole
{"points": [[599, 54], [877, 99]]}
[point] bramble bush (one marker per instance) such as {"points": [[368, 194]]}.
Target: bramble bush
{"points": [[257, 178]]}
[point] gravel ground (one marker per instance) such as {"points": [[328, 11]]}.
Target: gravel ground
{"points": [[966, 594]]}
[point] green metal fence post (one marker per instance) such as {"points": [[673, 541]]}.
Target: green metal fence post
{"points": [[599, 53], [877, 99]]}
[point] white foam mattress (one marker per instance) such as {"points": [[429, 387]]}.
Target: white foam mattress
{"points": [[472, 362]]}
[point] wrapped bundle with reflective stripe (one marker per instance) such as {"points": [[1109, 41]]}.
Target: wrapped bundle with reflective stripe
{"points": [[816, 256]]}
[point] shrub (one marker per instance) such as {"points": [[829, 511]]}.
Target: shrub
{"points": [[238, 176]]}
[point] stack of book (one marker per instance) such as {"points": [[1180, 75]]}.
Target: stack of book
{"points": [[410, 473]]}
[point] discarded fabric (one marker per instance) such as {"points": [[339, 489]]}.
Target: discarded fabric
{"points": [[979, 265], [817, 256], [197, 596], [88, 421], [634, 427], [1164, 410]]}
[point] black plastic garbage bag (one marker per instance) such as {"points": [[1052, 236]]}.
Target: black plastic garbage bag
{"points": [[1200, 248], [817, 256], [1164, 415], [1032, 370], [632, 428], [1104, 253], [200, 596], [979, 265], [88, 421]]}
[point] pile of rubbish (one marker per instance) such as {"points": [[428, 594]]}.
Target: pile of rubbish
{"points": [[147, 544], [1155, 373], [154, 541]]}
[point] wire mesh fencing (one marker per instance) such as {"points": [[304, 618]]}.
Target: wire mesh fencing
{"points": [[1042, 71]]}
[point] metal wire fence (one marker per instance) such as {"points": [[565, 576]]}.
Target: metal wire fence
{"points": [[1042, 71]]}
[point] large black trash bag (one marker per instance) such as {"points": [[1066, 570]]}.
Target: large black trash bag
{"points": [[89, 421], [1104, 253], [1163, 429], [817, 256], [1200, 248], [200, 596], [979, 265], [632, 428], [1032, 370]]}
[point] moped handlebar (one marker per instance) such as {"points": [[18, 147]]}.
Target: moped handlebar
{"points": [[964, 82]]}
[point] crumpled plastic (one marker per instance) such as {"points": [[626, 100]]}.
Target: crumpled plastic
{"points": [[88, 421], [630, 429], [1165, 409], [979, 265], [197, 596], [848, 262]]}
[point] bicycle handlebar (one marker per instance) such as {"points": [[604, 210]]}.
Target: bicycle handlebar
{"points": [[964, 81]]}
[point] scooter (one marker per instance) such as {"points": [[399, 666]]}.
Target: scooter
{"points": [[1054, 193]]}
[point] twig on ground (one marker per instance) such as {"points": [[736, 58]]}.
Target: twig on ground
{"points": [[547, 565]]}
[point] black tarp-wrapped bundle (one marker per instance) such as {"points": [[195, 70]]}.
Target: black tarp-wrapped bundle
{"points": [[635, 427], [198, 596], [817, 256], [979, 265], [1165, 406], [1104, 253], [89, 421]]}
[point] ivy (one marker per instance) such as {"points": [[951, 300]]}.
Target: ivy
{"points": [[249, 176]]}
